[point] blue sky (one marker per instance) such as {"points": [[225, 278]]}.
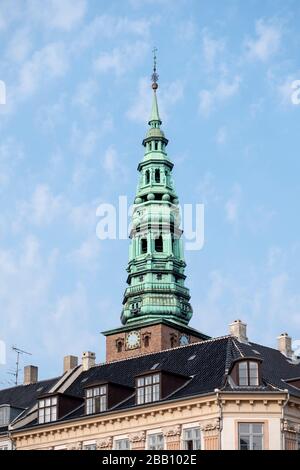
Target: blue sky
{"points": [[78, 98]]}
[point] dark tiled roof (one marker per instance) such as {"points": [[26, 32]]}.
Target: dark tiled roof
{"points": [[24, 396], [205, 365]]}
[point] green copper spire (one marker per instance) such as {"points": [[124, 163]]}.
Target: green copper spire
{"points": [[156, 278], [154, 118]]}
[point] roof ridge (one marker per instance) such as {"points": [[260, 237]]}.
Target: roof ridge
{"points": [[219, 338]]}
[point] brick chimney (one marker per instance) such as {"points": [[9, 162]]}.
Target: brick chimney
{"points": [[30, 375], [70, 362], [88, 360], [285, 345], [238, 329]]}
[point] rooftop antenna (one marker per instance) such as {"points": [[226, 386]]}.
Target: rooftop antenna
{"points": [[17, 370]]}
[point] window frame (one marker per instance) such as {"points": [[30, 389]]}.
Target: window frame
{"points": [[251, 380], [52, 407], [95, 396], [5, 410], [193, 440], [251, 434], [155, 436], [122, 439], [142, 391]]}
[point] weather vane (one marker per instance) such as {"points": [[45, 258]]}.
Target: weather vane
{"points": [[154, 75]]}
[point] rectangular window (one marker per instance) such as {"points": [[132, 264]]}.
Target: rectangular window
{"points": [[251, 436], [191, 439], [122, 444], [90, 447], [148, 389], [47, 410], [3, 447], [4, 415], [248, 374], [156, 442], [96, 400]]}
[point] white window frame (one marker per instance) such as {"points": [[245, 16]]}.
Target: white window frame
{"points": [[184, 440], [251, 434], [92, 394], [47, 410], [121, 439], [155, 435]]}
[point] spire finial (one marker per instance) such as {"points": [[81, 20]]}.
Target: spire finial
{"points": [[154, 75]]}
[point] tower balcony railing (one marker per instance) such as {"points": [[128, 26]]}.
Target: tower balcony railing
{"points": [[149, 286]]}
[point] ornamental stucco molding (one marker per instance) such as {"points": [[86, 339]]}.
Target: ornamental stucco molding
{"points": [[105, 443], [287, 426], [138, 437], [210, 426], [75, 446], [172, 431]]}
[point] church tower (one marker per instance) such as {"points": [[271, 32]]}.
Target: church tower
{"points": [[156, 305]]}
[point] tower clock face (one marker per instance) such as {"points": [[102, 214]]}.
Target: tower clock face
{"points": [[133, 340], [184, 340]]}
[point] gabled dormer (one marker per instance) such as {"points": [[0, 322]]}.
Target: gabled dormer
{"points": [[152, 386], [103, 396], [53, 406], [246, 372]]}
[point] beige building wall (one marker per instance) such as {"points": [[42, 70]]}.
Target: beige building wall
{"points": [[216, 415]]}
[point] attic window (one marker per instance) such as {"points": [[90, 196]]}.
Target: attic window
{"points": [[192, 357], [47, 410], [148, 389], [96, 399], [4, 415], [155, 366], [248, 374]]}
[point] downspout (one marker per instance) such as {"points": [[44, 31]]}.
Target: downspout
{"points": [[220, 417], [282, 420]]}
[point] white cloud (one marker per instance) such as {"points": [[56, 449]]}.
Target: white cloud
{"points": [[108, 26], [42, 208], [232, 205], [209, 99], [47, 63], [112, 164], [50, 116], [19, 46], [10, 155], [58, 14], [121, 59], [212, 49], [266, 43], [207, 189], [87, 255], [84, 96], [222, 136]]}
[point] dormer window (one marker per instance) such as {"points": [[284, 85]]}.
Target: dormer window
{"points": [[47, 412], [4, 415], [248, 374], [96, 399], [148, 389]]}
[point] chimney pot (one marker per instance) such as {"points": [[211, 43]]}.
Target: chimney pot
{"points": [[70, 362], [238, 329], [88, 360], [30, 375]]}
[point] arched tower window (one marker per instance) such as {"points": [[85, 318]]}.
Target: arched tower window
{"points": [[147, 177], [156, 145], [157, 176], [159, 244], [144, 245]]}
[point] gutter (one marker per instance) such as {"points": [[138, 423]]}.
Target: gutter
{"points": [[282, 420], [220, 418]]}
